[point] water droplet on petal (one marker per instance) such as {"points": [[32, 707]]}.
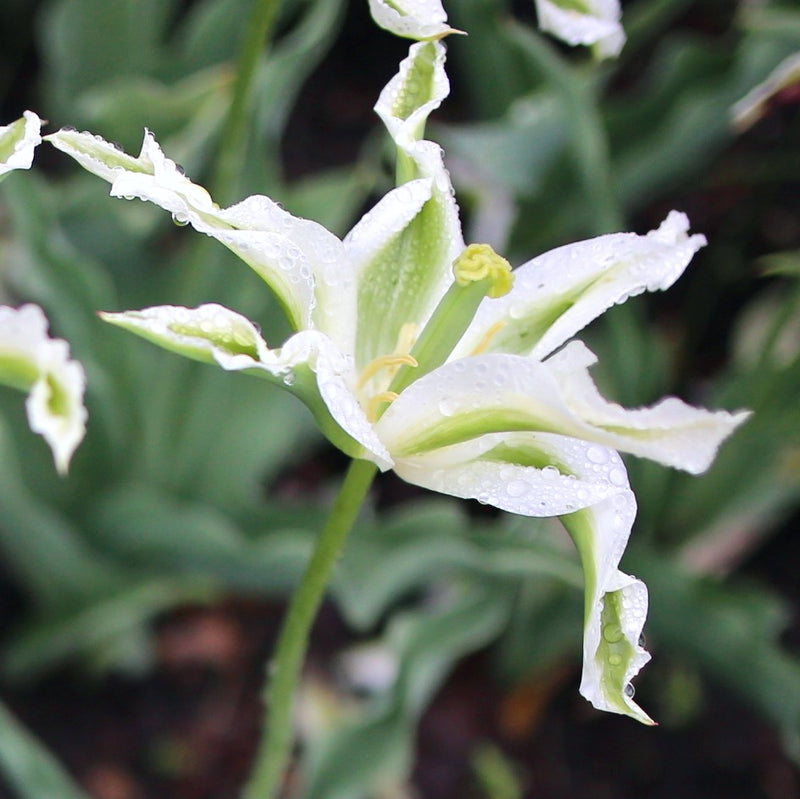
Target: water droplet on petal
{"points": [[612, 633], [516, 488], [447, 407], [630, 691], [596, 455], [289, 379], [617, 477]]}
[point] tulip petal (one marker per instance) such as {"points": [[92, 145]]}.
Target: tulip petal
{"points": [[276, 245], [586, 484], [412, 19], [594, 22], [32, 361], [494, 393], [308, 365], [615, 606], [560, 292], [525, 473], [18, 141], [670, 432], [401, 281]]}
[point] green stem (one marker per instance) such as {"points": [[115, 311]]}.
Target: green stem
{"points": [[232, 152], [274, 749]]}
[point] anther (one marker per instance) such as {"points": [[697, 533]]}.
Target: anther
{"points": [[389, 362], [375, 402], [484, 343]]}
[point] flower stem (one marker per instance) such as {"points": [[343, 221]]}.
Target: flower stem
{"points": [[274, 749], [232, 152]]}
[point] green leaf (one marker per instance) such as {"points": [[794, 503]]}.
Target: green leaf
{"points": [[29, 767], [356, 759]]}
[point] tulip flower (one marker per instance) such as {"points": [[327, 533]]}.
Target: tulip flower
{"points": [[439, 361], [17, 143], [33, 362], [592, 22]]}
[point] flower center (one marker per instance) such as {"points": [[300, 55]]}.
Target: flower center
{"points": [[479, 272]]}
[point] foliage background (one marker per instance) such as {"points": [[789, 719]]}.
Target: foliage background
{"points": [[141, 594]]}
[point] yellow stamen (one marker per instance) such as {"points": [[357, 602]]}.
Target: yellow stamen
{"points": [[484, 343], [391, 362], [407, 337], [379, 399]]}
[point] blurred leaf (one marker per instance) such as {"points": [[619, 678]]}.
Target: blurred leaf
{"points": [[501, 151], [433, 540], [786, 264], [88, 42], [730, 631], [356, 759], [143, 526], [104, 624], [32, 771]]}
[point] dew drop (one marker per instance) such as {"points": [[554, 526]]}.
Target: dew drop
{"points": [[617, 477], [447, 407], [630, 691], [596, 455], [550, 473], [181, 220], [516, 488], [289, 379], [612, 633]]}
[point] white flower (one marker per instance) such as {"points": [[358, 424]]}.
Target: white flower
{"points": [[412, 19], [593, 22], [436, 361], [32, 361], [18, 141]]}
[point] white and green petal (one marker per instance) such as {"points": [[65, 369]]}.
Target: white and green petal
{"points": [[557, 294], [418, 89], [400, 282], [18, 141], [412, 19], [280, 248], [496, 393], [541, 474], [615, 603], [589, 22], [670, 432], [308, 365], [33, 362]]}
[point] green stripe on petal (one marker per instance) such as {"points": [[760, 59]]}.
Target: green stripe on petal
{"points": [[471, 397], [32, 361], [616, 606], [286, 252], [18, 141], [670, 432], [403, 281], [560, 292], [408, 99], [210, 333], [527, 474], [309, 365]]}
